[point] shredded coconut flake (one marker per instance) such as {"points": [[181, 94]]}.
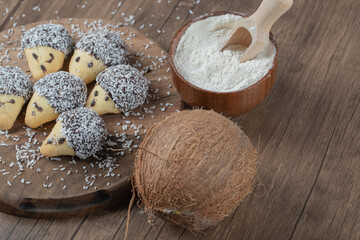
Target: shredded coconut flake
{"points": [[14, 81], [62, 90], [104, 45], [48, 35], [84, 130], [126, 86]]}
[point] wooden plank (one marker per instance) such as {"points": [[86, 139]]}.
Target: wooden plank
{"points": [[7, 10], [45, 229], [48, 10], [334, 201], [317, 111]]}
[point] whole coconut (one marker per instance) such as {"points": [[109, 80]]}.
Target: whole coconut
{"points": [[194, 169]]}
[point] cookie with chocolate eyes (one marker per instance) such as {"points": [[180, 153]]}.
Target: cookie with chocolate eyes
{"points": [[46, 47], [118, 89], [95, 52], [15, 90], [80, 132], [54, 94]]}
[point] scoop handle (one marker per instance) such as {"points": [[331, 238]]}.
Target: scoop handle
{"points": [[269, 12]]}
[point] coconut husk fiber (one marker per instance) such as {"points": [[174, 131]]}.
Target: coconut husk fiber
{"points": [[194, 168]]}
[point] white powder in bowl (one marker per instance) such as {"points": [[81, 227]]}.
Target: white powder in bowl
{"points": [[199, 60]]}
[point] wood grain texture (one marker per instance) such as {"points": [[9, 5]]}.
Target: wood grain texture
{"points": [[53, 192], [306, 130]]}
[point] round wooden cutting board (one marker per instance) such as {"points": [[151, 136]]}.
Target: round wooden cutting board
{"points": [[33, 186]]}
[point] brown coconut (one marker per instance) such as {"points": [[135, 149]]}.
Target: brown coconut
{"points": [[194, 168]]}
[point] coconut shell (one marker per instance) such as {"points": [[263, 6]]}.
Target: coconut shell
{"points": [[194, 168]]}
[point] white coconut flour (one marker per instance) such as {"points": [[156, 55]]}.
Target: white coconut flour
{"points": [[200, 62]]}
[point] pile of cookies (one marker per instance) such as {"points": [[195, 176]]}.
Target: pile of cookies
{"points": [[99, 55]]}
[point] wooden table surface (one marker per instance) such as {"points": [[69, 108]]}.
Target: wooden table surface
{"points": [[307, 130]]}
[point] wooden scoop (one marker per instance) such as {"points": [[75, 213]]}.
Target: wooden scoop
{"points": [[253, 32]]}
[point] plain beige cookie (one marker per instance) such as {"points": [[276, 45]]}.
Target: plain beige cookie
{"points": [[44, 60], [101, 102], [85, 66], [10, 107], [39, 112], [56, 144]]}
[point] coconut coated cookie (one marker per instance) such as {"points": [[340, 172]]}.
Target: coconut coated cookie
{"points": [[80, 132], [46, 47], [118, 89], [54, 94], [15, 90], [96, 51]]}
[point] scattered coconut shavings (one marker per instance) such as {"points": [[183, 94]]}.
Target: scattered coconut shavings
{"points": [[62, 90], [125, 85], [104, 45], [14, 81], [26, 156], [84, 130], [48, 35], [37, 8]]}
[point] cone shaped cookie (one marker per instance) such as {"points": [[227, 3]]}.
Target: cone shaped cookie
{"points": [[54, 94], [15, 90], [85, 66], [119, 89], [46, 47], [56, 144], [44, 60], [80, 132], [39, 111], [101, 102], [96, 51]]}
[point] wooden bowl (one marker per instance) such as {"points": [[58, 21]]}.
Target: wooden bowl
{"points": [[230, 104]]}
